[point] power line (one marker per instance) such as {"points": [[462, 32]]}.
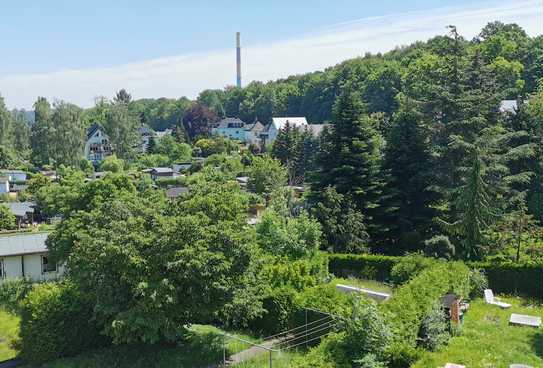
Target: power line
{"points": [[309, 332], [296, 328]]}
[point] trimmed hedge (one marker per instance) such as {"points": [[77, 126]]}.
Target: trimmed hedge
{"points": [[56, 321], [512, 278], [507, 278], [368, 266]]}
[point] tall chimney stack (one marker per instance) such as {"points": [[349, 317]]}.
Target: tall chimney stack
{"points": [[238, 59]]}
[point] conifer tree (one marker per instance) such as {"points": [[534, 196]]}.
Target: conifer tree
{"points": [[407, 207], [349, 158]]}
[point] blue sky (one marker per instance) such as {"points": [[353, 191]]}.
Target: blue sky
{"points": [[78, 50]]}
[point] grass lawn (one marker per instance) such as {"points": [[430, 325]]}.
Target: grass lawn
{"points": [[204, 347], [9, 328], [363, 283], [487, 340], [279, 360]]}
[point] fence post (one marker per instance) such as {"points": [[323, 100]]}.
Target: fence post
{"points": [[270, 359]]}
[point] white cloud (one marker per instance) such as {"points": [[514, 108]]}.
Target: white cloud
{"points": [[189, 74]]}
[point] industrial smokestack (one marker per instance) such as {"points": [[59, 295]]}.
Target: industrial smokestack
{"points": [[238, 59]]}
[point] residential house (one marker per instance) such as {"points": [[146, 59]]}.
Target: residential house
{"points": [[163, 172], [277, 124], [26, 255], [182, 166], [232, 128], [14, 175], [253, 133], [23, 211], [97, 146], [4, 185]]}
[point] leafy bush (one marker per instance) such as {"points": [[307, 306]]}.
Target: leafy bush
{"points": [[299, 274], [328, 354], [12, 292], [367, 266], [7, 219], [56, 321], [324, 298], [434, 331], [409, 267], [440, 247], [366, 333], [478, 283], [280, 307]]}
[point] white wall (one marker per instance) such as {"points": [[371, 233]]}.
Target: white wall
{"points": [[4, 186], [32, 267]]}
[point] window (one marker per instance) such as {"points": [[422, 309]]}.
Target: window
{"points": [[47, 266], [2, 273]]}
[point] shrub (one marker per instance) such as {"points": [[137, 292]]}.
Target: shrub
{"points": [[12, 292], [280, 307], [323, 298], [366, 333], [409, 267], [7, 219], [368, 266], [434, 331], [440, 247], [56, 321], [329, 354], [478, 283], [299, 274]]}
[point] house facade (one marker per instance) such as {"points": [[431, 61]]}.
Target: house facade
{"points": [[97, 146], [27, 256], [4, 185], [232, 128]]}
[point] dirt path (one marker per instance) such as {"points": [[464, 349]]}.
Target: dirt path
{"points": [[252, 352]]}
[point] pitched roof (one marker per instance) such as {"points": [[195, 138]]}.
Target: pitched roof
{"points": [[12, 245], [293, 121], [20, 209], [162, 170], [316, 129], [7, 171], [93, 128], [256, 127]]}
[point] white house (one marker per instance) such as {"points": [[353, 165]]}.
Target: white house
{"points": [[26, 255], [14, 175], [97, 146], [278, 123]]}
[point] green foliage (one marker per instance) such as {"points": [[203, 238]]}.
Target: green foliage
{"points": [[7, 219], [53, 317], [366, 333], [408, 267], [410, 303], [439, 246], [121, 126], [112, 164], [478, 283], [295, 237], [12, 292], [367, 266], [266, 175], [344, 229], [434, 331]]}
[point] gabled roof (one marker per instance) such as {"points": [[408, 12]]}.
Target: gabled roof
{"points": [[316, 129], [255, 127], [20, 209], [7, 171], [93, 128], [13, 245], [162, 170], [293, 121]]}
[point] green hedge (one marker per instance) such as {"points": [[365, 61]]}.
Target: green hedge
{"points": [[368, 266], [512, 278], [56, 321], [507, 278], [412, 302]]}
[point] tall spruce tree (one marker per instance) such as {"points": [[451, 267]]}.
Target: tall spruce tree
{"points": [[408, 202], [349, 158]]}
